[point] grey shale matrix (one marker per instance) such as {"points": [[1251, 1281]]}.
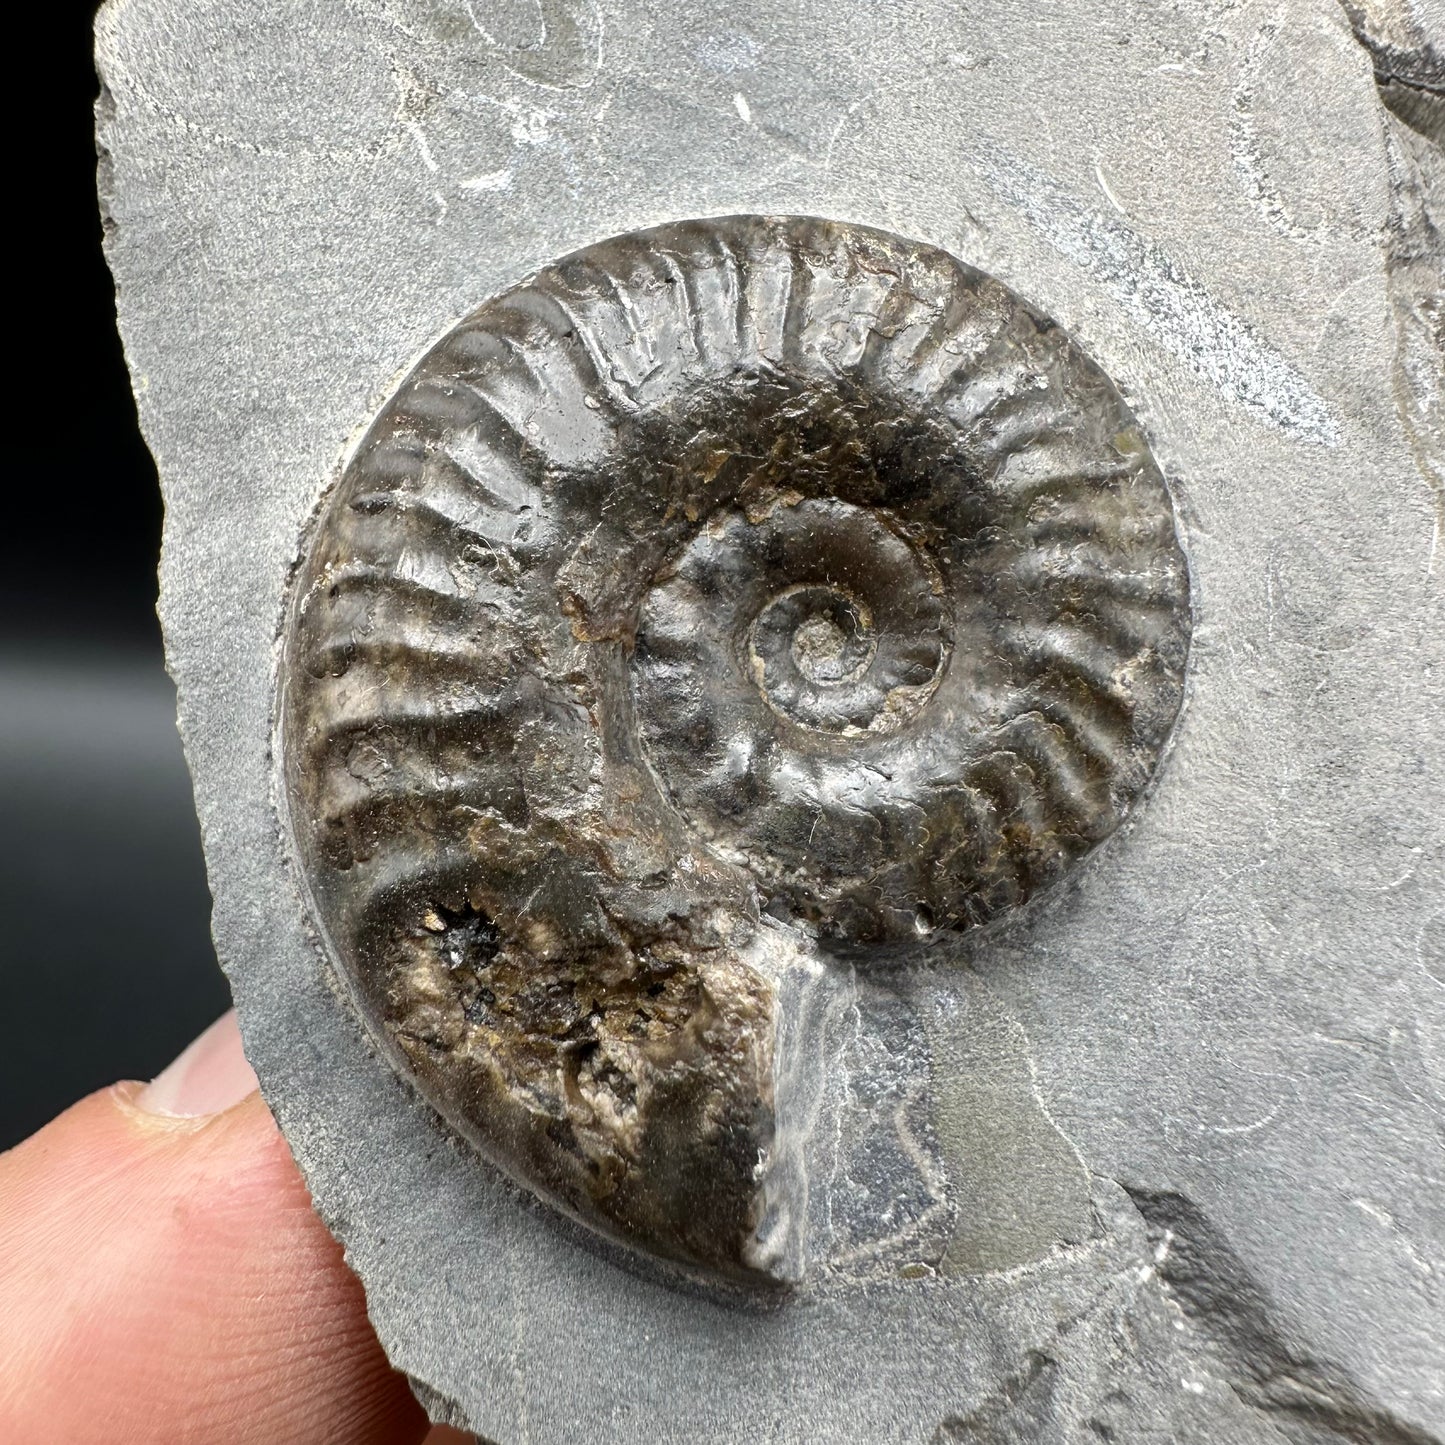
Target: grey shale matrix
{"points": [[770, 900]]}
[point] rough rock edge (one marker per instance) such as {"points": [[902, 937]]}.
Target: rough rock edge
{"points": [[1192, 1318], [1310, 1400], [1409, 68], [1399, 47], [442, 1410]]}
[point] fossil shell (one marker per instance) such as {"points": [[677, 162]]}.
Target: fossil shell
{"points": [[722, 587]]}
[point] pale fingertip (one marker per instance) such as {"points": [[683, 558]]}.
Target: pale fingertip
{"points": [[210, 1076]]}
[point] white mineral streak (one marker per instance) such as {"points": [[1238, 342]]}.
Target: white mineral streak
{"points": [[1168, 305]]}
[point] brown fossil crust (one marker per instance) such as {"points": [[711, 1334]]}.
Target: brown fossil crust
{"points": [[722, 587]]}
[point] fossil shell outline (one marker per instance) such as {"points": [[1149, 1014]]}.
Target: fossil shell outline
{"points": [[721, 586]]}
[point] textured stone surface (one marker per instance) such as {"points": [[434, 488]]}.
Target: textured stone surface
{"points": [[1174, 1132]]}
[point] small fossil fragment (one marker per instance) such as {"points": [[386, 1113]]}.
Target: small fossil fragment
{"points": [[721, 588]]}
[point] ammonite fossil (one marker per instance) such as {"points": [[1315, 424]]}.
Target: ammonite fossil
{"points": [[727, 606]]}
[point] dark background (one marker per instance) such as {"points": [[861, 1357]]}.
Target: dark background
{"points": [[106, 967]]}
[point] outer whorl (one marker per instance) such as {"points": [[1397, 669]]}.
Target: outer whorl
{"points": [[723, 586]]}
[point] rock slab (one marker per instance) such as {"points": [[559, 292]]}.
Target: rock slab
{"points": [[1189, 1108]]}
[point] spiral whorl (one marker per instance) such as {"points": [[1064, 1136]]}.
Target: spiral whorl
{"points": [[722, 586]]}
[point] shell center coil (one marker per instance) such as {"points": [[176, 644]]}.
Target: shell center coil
{"points": [[833, 643], [838, 620]]}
